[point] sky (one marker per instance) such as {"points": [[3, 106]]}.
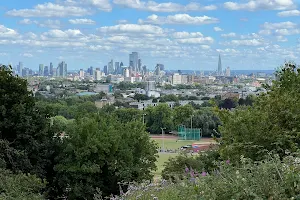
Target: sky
{"points": [[181, 34]]}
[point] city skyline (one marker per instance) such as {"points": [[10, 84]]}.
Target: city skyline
{"points": [[249, 35]]}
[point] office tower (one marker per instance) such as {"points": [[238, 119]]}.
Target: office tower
{"points": [[157, 70], [117, 67], [133, 61], [46, 71], [176, 79], [51, 69], [150, 85], [220, 66], [105, 70], [139, 65], [111, 67], [227, 71], [20, 68], [91, 70], [126, 73], [144, 71], [25, 72], [161, 67], [97, 74], [62, 69], [81, 73], [41, 70]]}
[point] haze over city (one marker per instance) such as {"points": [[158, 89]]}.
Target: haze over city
{"points": [[179, 34]]}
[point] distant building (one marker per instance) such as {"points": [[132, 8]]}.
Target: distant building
{"points": [[105, 69], [227, 71], [46, 71], [184, 79], [117, 68], [133, 61], [176, 79], [62, 69], [220, 66], [150, 85], [111, 68], [126, 73], [81, 73], [20, 68], [41, 70], [51, 69], [98, 74]]}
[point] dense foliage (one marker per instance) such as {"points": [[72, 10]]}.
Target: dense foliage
{"points": [[268, 179]]}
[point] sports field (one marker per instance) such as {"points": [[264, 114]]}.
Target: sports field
{"points": [[171, 142]]}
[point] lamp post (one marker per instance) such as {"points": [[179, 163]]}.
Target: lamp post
{"points": [[144, 114], [192, 121], [163, 136]]}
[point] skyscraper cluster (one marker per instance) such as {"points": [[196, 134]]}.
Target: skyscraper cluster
{"points": [[134, 68], [60, 71]]}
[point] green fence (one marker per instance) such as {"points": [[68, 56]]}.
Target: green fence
{"points": [[188, 133]]}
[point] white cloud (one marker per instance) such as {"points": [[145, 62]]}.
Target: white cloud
{"points": [[56, 33], [132, 28], [183, 19], [253, 5], [103, 5], [253, 42], [82, 21], [3, 54], [229, 35], [26, 21], [163, 7], [122, 21], [7, 32], [281, 38], [49, 23], [231, 51], [49, 10], [55, 24], [280, 25], [289, 13], [28, 55], [250, 36], [287, 32], [191, 38], [218, 29], [185, 34]]}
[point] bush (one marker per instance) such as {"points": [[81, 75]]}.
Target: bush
{"points": [[268, 179]]}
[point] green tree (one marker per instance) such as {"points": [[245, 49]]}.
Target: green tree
{"points": [[271, 124], [158, 117], [128, 114], [100, 152], [182, 114], [20, 186]]}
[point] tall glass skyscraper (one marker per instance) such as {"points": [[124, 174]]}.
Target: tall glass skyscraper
{"points": [[220, 66]]}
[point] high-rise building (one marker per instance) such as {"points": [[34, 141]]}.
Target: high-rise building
{"points": [[176, 79], [150, 85], [157, 70], [41, 70], [91, 70], [139, 65], [161, 67], [81, 73], [46, 71], [220, 66], [51, 69], [126, 73], [105, 70], [227, 71], [62, 69], [117, 67], [111, 67], [144, 70], [20, 68], [133, 61], [97, 74]]}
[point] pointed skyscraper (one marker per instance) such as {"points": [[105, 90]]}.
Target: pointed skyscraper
{"points": [[220, 66]]}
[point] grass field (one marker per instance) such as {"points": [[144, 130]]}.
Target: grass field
{"points": [[171, 143]]}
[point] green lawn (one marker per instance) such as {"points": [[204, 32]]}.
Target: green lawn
{"points": [[172, 143], [163, 157]]}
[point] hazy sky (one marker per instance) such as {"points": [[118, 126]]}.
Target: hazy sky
{"points": [[182, 34]]}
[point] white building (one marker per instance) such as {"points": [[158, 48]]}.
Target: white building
{"points": [[150, 85], [126, 73], [227, 71], [98, 74], [176, 79], [81, 73]]}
